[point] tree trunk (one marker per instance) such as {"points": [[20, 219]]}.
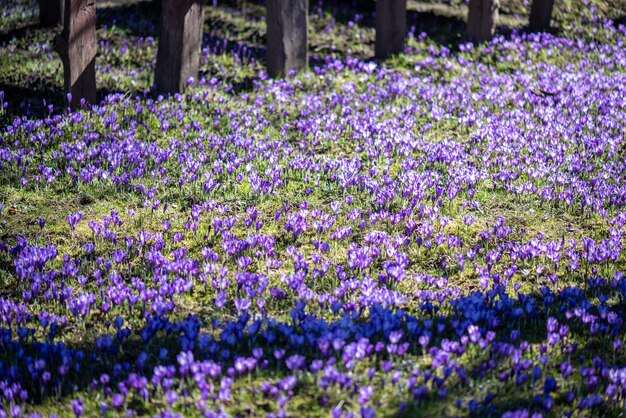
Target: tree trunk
{"points": [[287, 45], [482, 19], [51, 12], [540, 15], [180, 38], [390, 27], [77, 45]]}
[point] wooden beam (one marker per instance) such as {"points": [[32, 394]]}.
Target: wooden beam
{"points": [[390, 27], [287, 38], [77, 45], [482, 19], [540, 15], [180, 39]]}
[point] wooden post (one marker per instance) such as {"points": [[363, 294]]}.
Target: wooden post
{"points": [[390, 27], [51, 12], [77, 45], [540, 15], [482, 19], [287, 45], [180, 38]]}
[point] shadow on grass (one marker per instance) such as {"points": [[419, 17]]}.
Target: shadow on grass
{"points": [[91, 351], [140, 18], [6, 37], [29, 101]]}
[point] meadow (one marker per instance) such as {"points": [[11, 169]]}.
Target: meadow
{"points": [[437, 234]]}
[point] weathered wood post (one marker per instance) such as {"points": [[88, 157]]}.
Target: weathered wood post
{"points": [[287, 44], [482, 19], [77, 45], [390, 27], [540, 15], [180, 38], [51, 12]]}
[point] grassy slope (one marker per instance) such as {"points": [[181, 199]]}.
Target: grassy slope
{"points": [[26, 67]]}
